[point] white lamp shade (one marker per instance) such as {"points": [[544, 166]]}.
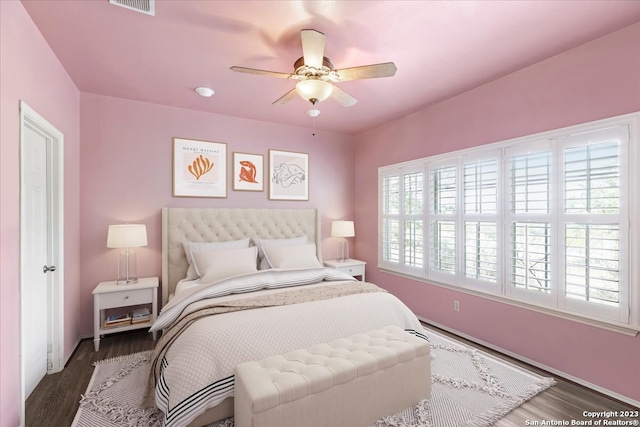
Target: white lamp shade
{"points": [[127, 236], [342, 229], [314, 89]]}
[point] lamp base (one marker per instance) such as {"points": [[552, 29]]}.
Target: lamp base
{"points": [[344, 250], [127, 274]]}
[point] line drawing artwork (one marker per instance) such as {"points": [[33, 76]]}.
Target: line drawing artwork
{"points": [[287, 175]]}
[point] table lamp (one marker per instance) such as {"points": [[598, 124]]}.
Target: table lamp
{"points": [[127, 236], [343, 229]]}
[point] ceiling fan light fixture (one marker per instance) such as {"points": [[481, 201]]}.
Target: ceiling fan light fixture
{"points": [[314, 90]]}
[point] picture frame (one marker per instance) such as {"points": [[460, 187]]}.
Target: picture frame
{"points": [[199, 168], [288, 175], [248, 172]]}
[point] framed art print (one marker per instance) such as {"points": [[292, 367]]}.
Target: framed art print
{"points": [[199, 168], [248, 172], [288, 175]]}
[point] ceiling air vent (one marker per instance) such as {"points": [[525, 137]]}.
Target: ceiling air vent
{"points": [[144, 6]]}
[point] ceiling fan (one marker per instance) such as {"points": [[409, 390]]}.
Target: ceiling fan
{"points": [[316, 74]]}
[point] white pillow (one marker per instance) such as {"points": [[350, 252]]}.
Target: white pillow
{"points": [[208, 246], [216, 265], [262, 243], [299, 256]]}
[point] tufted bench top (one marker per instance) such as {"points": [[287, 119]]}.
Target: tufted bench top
{"points": [[280, 379]]}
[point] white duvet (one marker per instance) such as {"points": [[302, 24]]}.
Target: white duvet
{"points": [[197, 370]]}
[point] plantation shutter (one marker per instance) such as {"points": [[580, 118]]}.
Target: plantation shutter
{"points": [[402, 196], [547, 220], [594, 223], [530, 236], [443, 209], [481, 241]]}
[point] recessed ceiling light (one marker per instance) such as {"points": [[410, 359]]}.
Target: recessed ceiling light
{"points": [[313, 113], [205, 91]]}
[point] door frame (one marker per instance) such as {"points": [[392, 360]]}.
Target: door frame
{"points": [[55, 243]]}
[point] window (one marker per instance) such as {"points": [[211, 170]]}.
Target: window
{"points": [[541, 220], [528, 216], [402, 219], [480, 220], [594, 223], [442, 207]]}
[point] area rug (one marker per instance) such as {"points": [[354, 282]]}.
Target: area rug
{"points": [[469, 388]]}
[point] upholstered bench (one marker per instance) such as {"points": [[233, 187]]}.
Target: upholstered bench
{"points": [[350, 382]]}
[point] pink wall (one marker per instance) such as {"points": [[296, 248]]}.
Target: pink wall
{"points": [[30, 71], [126, 160], [594, 81]]}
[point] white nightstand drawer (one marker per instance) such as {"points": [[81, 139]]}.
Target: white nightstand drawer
{"points": [[121, 299], [354, 270], [352, 267]]}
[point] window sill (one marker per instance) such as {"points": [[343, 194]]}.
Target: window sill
{"points": [[620, 328]]}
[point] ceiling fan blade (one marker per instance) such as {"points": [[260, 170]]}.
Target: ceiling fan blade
{"points": [[286, 97], [312, 48], [387, 69], [342, 97], [260, 72]]}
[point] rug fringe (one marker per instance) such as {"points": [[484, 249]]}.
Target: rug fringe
{"points": [[511, 403], [143, 354], [117, 412]]}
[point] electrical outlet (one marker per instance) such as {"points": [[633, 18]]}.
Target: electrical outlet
{"points": [[456, 306]]}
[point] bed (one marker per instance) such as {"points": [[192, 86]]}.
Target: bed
{"points": [[227, 313]]}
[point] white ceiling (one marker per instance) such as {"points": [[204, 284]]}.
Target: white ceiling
{"points": [[441, 49]]}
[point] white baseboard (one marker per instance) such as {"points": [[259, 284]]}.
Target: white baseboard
{"points": [[75, 347], [73, 350], [554, 371]]}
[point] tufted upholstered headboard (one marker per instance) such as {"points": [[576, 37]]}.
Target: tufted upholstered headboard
{"points": [[219, 225]]}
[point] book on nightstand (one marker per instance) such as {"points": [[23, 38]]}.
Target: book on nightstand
{"points": [[141, 315], [117, 320]]}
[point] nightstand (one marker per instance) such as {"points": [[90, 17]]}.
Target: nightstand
{"points": [[350, 266], [111, 295]]}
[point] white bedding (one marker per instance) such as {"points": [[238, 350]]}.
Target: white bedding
{"points": [[184, 285], [197, 370]]}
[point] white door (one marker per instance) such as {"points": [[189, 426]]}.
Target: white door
{"points": [[41, 245], [34, 241]]}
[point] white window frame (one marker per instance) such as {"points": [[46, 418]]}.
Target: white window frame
{"points": [[401, 266], [431, 217], [599, 310], [534, 147], [468, 282], [626, 318]]}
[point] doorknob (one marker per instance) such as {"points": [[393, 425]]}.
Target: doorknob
{"points": [[47, 268]]}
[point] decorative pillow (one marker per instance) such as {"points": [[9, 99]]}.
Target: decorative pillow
{"points": [[208, 246], [262, 243], [299, 256], [216, 265]]}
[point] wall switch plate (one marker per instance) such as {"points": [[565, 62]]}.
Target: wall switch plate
{"points": [[456, 306]]}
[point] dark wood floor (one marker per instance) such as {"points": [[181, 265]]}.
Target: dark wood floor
{"points": [[54, 402]]}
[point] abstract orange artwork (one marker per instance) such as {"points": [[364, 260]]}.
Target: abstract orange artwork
{"points": [[199, 168], [248, 174]]}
